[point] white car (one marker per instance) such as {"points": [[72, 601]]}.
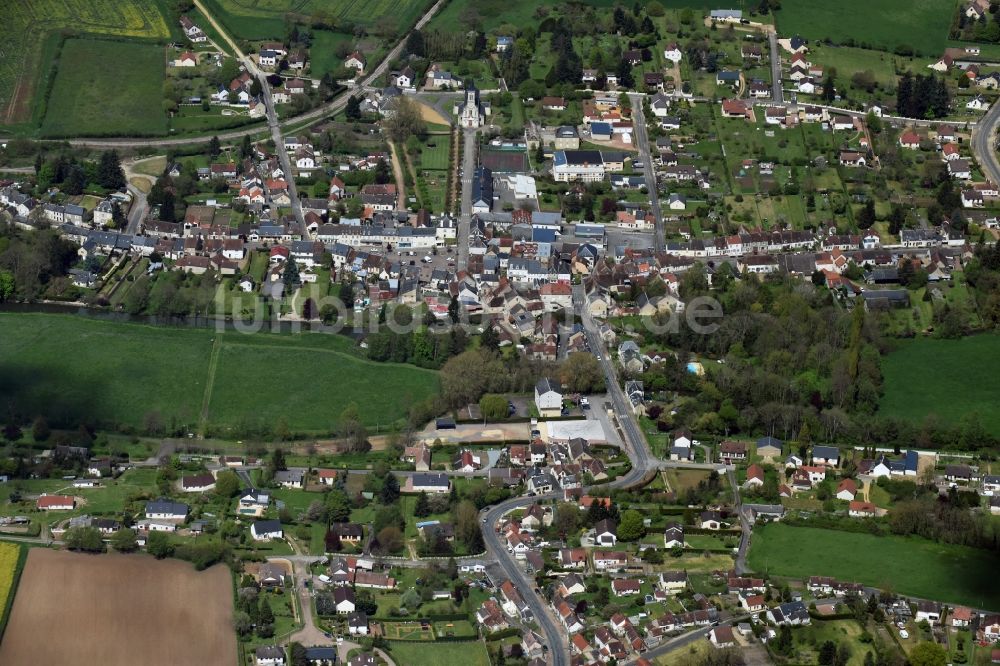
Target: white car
{"points": [[903, 633]]}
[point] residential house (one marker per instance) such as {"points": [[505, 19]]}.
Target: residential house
{"points": [[605, 533], [548, 397], [266, 530]]}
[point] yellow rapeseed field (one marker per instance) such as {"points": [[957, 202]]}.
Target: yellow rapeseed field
{"points": [[9, 553]]}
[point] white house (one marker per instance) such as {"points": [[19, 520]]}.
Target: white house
{"points": [[673, 52], [605, 533], [357, 624], [548, 397], [356, 61], [977, 103], [162, 509], [343, 598], [673, 582], [265, 530]]}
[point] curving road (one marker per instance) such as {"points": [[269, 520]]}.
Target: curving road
{"points": [[330, 108], [642, 461], [984, 143]]}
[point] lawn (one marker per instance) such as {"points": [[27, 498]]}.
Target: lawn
{"points": [[118, 373], [106, 88], [966, 380], [31, 40], [472, 653], [920, 24], [436, 152], [906, 565]]}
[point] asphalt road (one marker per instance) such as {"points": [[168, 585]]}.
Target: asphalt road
{"points": [[776, 91], [984, 143], [641, 139], [469, 146], [745, 526], [642, 460]]}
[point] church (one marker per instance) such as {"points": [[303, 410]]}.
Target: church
{"points": [[473, 111]]}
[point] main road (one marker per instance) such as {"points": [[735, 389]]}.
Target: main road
{"points": [[641, 138], [642, 462], [984, 140], [470, 146]]}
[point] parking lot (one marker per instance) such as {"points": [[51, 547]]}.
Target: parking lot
{"points": [[439, 257]]}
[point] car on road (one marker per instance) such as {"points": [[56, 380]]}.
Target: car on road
{"points": [[903, 633]]}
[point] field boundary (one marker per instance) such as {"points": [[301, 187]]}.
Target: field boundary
{"points": [[337, 352]]}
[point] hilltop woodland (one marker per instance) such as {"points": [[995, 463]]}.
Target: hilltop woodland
{"points": [[795, 364]]}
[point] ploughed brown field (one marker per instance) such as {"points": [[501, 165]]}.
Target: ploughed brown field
{"points": [[118, 610]]}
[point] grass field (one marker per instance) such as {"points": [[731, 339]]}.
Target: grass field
{"points": [[118, 373], [921, 24], [472, 653], [847, 60], [30, 30], [680, 480], [323, 54], [265, 19], [104, 87], [966, 379], [954, 574], [519, 12], [93, 600]]}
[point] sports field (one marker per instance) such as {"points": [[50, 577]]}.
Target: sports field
{"points": [[107, 88], [30, 35], [947, 378], [920, 24], [265, 19], [74, 369], [906, 565], [101, 603]]}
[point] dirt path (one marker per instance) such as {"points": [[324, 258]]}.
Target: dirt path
{"points": [[206, 400], [413, 177], [432, 115], [218, 28], [397, 173]]}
